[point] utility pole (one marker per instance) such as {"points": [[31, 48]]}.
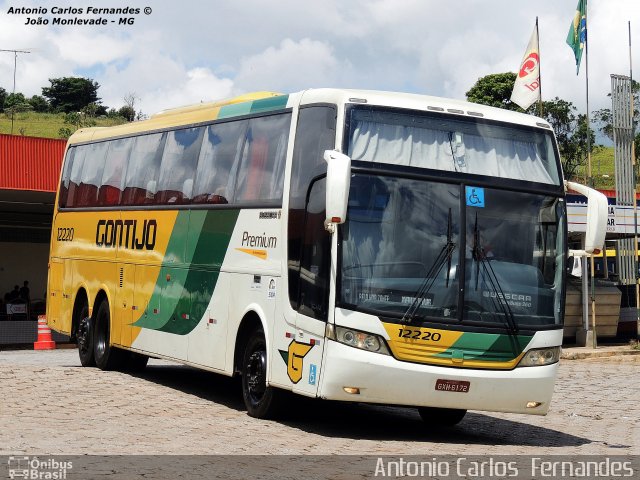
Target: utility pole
{"points": [[15, 66]]}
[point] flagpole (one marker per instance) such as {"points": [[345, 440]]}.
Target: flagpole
{"points": [[539, 69], [635, 200], [586, 51]]}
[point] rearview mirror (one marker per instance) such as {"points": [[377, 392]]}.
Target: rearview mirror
{"points": [[597, 216], [338, 183]]}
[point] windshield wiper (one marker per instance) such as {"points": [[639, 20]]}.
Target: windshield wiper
{"points": [[480, 258], [430, 278]]}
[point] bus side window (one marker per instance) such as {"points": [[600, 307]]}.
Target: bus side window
{"points": [[87, 193], [75, 175], [181, 150], [261, 171], [218, 154], [142, 173], [64, 177], [114, 171], [315, 133]]}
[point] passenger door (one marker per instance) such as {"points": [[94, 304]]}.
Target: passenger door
{"points": [[312, 315]]}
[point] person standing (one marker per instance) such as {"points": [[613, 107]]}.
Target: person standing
{"points": [[24, 292]]}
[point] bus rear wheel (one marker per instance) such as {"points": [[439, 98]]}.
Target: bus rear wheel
{"points": [[441, 417], [84, 338], [106, 356], [261, 400]]}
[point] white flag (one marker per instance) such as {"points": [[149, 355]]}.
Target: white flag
{"points": [[526, 90]]}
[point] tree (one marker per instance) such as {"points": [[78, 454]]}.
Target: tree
{"points": [[3, 97], [127, 113], [71, 94], [494, 90], [16, 103], [39, 104], [14, 99], [65, 132], [571, 133]]}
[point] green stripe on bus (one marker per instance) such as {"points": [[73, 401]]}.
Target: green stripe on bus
{"points": [[488, 347], [182, 294], [268, 104], [235, 110], [255, 106]]}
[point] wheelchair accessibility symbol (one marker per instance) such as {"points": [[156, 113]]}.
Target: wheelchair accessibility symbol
{"points": [[475, 196]]}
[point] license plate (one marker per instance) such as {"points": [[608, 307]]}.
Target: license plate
{"points": [[461, 386]]}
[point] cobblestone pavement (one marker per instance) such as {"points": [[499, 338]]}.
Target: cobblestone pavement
{"points": [[51, 405]]}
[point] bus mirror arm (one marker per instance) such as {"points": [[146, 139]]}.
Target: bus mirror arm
{"points": [[338, 183], [597, 216]]}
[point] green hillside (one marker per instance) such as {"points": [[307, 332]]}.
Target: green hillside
{"points": [[602, 168], [48, 125]]}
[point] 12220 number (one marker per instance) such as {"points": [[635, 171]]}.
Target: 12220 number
{"points": [[419, 334]]}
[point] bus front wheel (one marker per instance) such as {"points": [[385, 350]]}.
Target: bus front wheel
{"points": [[441, 417], [261, 400]]}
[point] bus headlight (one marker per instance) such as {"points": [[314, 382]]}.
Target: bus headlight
{"points": [[540, 356], [355, 338]]}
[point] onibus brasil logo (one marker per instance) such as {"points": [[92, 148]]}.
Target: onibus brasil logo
{"points": [[35, 468]]}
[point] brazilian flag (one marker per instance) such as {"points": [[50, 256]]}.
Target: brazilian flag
{"points": [[577, 38]]}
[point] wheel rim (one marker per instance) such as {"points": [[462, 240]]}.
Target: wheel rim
{"points": [[256, 377], [83, 335]]}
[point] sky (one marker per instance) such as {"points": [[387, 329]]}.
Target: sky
{"points": [[189, 51]]}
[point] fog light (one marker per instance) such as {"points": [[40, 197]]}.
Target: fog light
{"points": [[533, 404], [352, 390]]}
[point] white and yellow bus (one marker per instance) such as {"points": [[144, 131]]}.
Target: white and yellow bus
{"points": [[349, 245]]}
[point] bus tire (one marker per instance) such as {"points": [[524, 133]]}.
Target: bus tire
{"points": [[84, 338], [261, 400], [441, 417], [106, 356]]}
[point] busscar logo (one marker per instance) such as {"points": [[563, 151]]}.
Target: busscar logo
{"points": [[511, 299], [126, 234]]}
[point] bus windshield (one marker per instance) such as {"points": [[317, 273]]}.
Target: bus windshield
{"points": [[464, 145], [406, 253]]}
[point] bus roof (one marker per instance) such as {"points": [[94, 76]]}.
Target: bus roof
{"points": [[187, 115], [414, 101], [265, 101]]}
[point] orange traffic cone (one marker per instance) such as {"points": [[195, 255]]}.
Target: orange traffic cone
{"points": [[44, 335]]}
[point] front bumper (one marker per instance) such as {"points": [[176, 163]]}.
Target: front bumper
{"points": [[383, 379]]}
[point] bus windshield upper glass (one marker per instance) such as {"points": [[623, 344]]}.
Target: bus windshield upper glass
{"points": [[462, 145]]}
